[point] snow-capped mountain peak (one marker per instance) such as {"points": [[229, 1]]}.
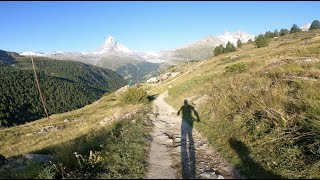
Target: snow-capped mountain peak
{"points": [[110, 41], [29, 53], [305, 27], [234, 36], [111, 45]]}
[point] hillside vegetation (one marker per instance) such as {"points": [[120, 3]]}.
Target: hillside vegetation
{"points": [[263, 110], [66, 86], [106, 139]]}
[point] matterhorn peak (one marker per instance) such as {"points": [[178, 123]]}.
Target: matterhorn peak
{"points": [[110, 41]]}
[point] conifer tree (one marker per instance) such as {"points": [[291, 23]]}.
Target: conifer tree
{"points": [[315, 25]]}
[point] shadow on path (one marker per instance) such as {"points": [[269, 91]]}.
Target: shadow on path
{"points": [[188, 154]]}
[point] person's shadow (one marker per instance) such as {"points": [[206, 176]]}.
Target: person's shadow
{"points": [[188, 154], [249, 166]]}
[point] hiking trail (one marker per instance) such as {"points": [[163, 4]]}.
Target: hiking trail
{"points": [[165, 153]]}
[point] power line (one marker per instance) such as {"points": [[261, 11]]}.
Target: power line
{"points": [[38, 85]]}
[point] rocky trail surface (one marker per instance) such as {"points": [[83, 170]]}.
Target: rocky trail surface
{"points": [[165, 161]]}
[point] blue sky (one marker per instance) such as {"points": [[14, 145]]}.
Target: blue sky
{"points": [[143, 26]]}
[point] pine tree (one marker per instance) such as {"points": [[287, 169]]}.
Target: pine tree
{"points": [[239, 43], [230, 47], [283, 32], [268, 34], [261, 41], [295, 29], [315, 25], [218, 50], [276, 33]]}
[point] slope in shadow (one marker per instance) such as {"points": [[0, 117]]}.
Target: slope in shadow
{"points": [[249, 166]]}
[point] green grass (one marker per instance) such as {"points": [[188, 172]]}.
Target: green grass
{"points": [[32, 170], [97, 142], [264, 113], [116, 151]]}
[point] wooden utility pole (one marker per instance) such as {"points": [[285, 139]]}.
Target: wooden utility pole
{"points": [[38, 85]]}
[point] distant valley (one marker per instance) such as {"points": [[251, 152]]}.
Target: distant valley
{"points": [[138, 66]]}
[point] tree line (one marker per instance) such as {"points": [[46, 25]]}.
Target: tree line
{"points": [[262, 40], [66, 85]]}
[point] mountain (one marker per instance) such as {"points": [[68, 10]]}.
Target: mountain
{"points": [[305, 27], [7, 58], [111, 55], [127, 62], [66, 86], [199, 50], [260, 104]]}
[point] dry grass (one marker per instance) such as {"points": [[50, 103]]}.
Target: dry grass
{"points": [[264, 101], [23, 139], [106, 139]]}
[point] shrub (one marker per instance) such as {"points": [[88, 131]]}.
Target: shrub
{"points": [[35, 170], [135, 95], [236, 68], [283, 32]]}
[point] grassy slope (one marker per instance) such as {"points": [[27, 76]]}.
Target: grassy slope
{"points": [[264, 113], [120, 147]]}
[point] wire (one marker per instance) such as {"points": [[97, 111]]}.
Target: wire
{"points": [[38, 85]]}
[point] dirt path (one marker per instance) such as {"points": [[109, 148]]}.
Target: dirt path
{"points": [[165, 154]]}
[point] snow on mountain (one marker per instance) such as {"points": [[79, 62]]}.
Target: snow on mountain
{"points": [[234, 36], [111, 50], [155, 56], [305, 27], [222, 39], [111, 45], [29, 53]]}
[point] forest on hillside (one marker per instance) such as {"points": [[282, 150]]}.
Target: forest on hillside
{"points": [[66, 85]]}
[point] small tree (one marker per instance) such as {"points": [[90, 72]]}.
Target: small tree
{"points": [[218, 50], [239, 43], [295, 29], [230, 47], [276, 33], [268, 34], [315, 25], [261, 41], [283, 32], [250, 41]]}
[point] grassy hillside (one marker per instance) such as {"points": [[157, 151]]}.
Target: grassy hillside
{"points": [[106, 139], [263, 113], [66, 86]]}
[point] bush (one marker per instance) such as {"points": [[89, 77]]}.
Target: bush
{"points": [[135, 95], [283, 32], [236, 68], [35, 170]]}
